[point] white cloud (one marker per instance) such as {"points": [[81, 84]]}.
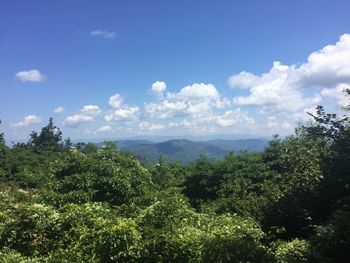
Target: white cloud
{"points": [[215, 122], [280, 89], [147, 126], [338, 94], [116, 101], [303, 115], [93, 110], [28, 120], [120, 111], [87, 114], [272, 123], [166, 109], [158, 88], [276, 92], [286, 125], [104, 34], [193, 100], [243, 80], [328, 66], [105, 128], [32, 75], [184, 123], [125, 113], [233, 117], [196, 91], [194, 108], [77, 119], [59, 110]]}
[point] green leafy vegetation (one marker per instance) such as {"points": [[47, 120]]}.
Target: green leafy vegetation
{"points": [[288, 203]]}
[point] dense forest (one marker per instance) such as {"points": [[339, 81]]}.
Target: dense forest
{"points": [[78, 203]]}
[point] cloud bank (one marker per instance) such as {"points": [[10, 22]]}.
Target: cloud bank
{"points": [[272, 102], [282, 89]]}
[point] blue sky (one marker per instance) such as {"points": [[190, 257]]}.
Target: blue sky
{"points": [[109, 69]]}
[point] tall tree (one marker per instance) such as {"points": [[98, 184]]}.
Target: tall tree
{"points": [[50, 138], [2, 139]]}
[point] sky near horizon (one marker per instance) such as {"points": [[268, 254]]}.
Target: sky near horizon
{"points": [[111, 69]]}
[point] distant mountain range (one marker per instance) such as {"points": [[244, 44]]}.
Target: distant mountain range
{"points": [[163, 138], [184, 150]]}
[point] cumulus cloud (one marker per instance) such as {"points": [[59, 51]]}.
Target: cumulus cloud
{"points": [[243, 80], [103, 34], [105, 128], [272, 123], [328, 66], [120, 111], [32, 75], [124, 113], [28, 120], [148, 126], [183, 123], [76, 119], [280, 89], [286, 125], [338, 94], [196, 91], [116, 101], [158, 88], [197, 108], [195, 100], [215, 122], [93, 110], [233, 117], [166, 109], [275, 91], [87, 114], [59, 110], [303, 116]]}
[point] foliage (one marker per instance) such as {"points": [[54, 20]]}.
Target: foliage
{"points": [[104, 176], [295, 251], [331, 240], [65, 203], [328, 125], [49, 138]]}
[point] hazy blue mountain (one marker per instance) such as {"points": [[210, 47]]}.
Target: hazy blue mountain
{"points": [[128, 143], [255, 145], [186, 151], [163, 138], [176, 150]]}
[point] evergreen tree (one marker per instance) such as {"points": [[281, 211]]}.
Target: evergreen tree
{"points": [[50, 138], [2, 139]]}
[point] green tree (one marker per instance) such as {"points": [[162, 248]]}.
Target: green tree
{"points": [[49, 139], [299, 175], [2, 137], [105, 176], [328, 125], [90, 148], [331, 240], [295, 251]]}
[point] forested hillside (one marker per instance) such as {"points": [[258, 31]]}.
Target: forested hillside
{"points": [[289, 203], [187, 151]]}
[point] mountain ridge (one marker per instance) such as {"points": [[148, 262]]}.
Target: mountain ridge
{"points": [[185, 150]]}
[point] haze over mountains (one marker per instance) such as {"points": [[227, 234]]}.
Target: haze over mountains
{"points": [[185, 150]]}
